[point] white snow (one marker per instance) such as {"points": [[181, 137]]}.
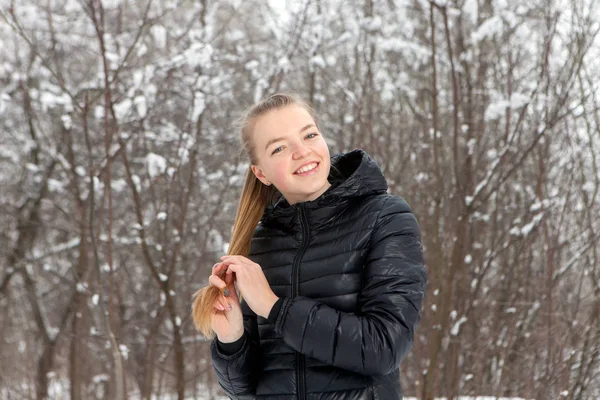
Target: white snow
{"points": [[371, 24], [99, 112], [157, 165], [66, 120], [199, 54], [284, 64], [251, 65], [123, 109], [141, 105], [497, 109], [137, 182], [199, 105], [50, 100], [456, 328], [100, 378], [82, 287], [318, 61], [108, 4], [159, 34], [118, 184], [215, 240], [589, 187], [487, 29], [124, 351], [4, 100], [52, 332], [71, 244], [526, 229]]}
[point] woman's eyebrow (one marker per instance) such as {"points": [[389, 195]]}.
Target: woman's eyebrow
{"points": [[278, 139], [270, 142]]}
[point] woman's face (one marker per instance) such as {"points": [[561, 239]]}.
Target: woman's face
{"points": [[291, 153]]}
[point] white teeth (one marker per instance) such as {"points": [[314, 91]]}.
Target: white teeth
{"points": [[307, 168]]}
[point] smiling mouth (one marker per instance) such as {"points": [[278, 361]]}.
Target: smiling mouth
{"points": [[307, 168]]}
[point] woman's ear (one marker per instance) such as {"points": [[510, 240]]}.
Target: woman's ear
{"points": [[260, 175]]}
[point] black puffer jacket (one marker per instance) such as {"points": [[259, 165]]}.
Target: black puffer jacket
{"points": [[348, 268]]}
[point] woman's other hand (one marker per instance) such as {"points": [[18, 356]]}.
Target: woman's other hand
{"points": [[227, 320], [252, 283]]}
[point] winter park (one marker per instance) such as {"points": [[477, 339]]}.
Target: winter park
{"points": [[299, 199]]}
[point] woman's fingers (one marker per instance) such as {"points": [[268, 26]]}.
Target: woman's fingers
{"points": [[223, 277], [241, 260], [218, 269], [237, 268], [226, 285], [214, 280], [229, 279], [219, 306], [231, 292], [222, 304]]}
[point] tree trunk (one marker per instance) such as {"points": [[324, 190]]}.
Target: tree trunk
{"points": [[45, 364], [75, 356], [149, 370], [177, 346]]}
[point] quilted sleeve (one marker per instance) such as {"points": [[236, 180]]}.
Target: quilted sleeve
{"points": [[375, 339], [237, 373]]}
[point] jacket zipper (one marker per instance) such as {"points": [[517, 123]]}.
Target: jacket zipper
{"points": [[300, 361]]}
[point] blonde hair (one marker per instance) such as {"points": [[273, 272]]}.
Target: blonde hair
{"points": [[254, 199]]}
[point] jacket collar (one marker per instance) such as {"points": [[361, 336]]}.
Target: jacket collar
{"points": [[352, 175]]}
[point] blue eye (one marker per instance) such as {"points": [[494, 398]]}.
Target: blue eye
{"points": [[277, 150], [309, 136]]}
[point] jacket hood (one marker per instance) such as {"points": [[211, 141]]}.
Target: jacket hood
{"points": [[352, 174]]}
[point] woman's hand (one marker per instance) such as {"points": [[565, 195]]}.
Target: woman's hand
{"points": [[227, 320], [252, 283]]}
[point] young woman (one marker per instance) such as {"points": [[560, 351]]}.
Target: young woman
{"points": [[329, 266]]}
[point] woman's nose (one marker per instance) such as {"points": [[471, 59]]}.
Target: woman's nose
{"points": [[301, 151]]}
